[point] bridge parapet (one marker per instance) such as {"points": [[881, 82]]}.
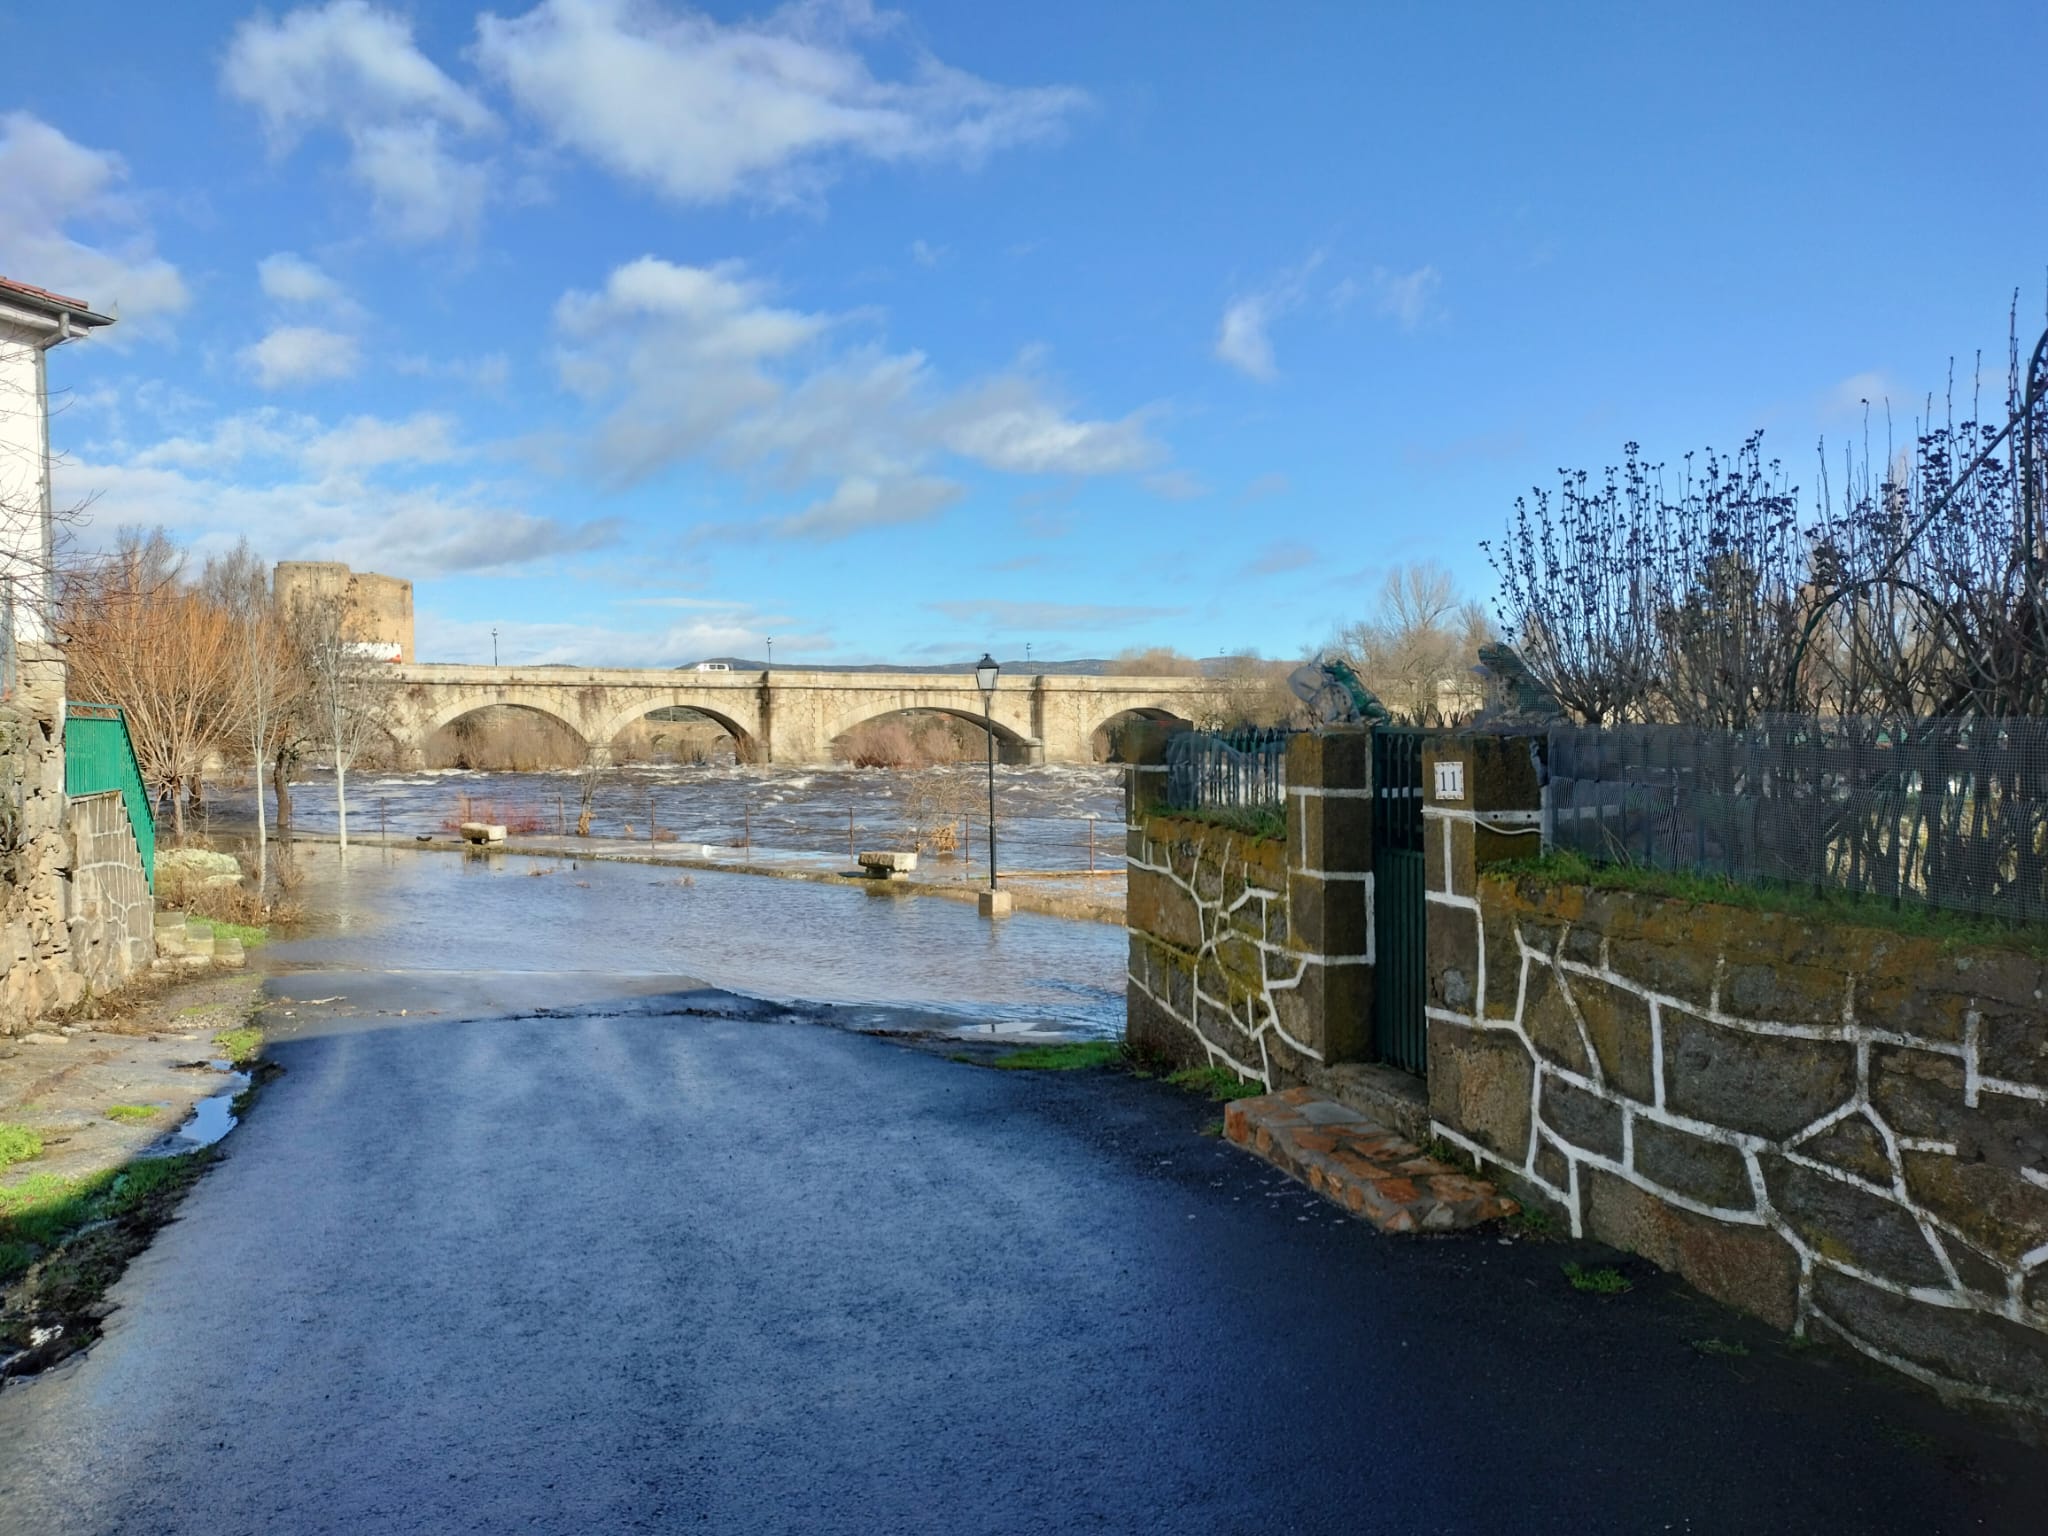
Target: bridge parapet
{"points": [[793, 716]]}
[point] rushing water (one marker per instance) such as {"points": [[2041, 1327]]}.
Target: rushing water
{"points": [[1045, 817], [786, 940]]}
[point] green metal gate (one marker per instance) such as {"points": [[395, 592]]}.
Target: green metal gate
{"points": [[98, 756], [1401, 973]]}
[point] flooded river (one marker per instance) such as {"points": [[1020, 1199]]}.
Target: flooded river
{"points": [[783, 940], [1047, 818]]}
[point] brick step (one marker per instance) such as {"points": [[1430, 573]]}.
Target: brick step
{"points": [[1351, 1159]]}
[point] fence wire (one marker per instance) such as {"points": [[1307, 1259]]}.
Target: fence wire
{"points": [[1949, 813], [1239, 770]]}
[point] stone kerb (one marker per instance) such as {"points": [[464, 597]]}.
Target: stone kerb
{"points": [[1842, 1130], [1249, 952]]}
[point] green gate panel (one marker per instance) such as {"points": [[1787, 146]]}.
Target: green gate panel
{"points": [[1401, 969], [99, 756]]}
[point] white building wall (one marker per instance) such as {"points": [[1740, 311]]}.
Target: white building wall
{"points": [[25, 528]]}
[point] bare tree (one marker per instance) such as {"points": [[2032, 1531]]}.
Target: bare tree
{"points": [[347, 697], [1417, 649], [1250, 690], [1155, 661], [144, 638], [270, 677], [1574, 597]]}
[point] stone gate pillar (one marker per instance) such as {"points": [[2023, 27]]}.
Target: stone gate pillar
{"points": [[1330, 891]]}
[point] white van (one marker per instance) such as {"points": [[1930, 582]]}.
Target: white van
{"points": [[711, 666]]}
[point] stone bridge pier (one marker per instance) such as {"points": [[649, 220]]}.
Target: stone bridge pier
{"points": [[792, 717]]}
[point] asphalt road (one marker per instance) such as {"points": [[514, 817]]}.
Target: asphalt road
{"points": [[617, 1268]]}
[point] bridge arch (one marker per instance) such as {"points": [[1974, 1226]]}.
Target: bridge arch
{"points": [[746, 740], [1011, 743], [455, 709], [1101, 737]]}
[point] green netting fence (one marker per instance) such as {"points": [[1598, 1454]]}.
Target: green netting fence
{"points": [[98, 756]]}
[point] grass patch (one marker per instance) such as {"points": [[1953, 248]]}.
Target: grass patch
{"points": [[132, 1113], [1219, 1083], [1533, 1221], [1070, 1057], [1792, 901], [45, 1208], [1264, 821], [18, 1144], [1604, 1280], [240, 1045], [72, 1238], [1733, 1348], [249, 934]]}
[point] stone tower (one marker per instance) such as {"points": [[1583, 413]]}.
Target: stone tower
{"points": [[380, 606]]}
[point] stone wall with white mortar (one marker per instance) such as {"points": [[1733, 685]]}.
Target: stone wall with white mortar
{"points": [[1254, 953], [1843, 1130]]}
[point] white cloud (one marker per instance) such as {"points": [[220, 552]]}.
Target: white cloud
{"points": [[1018, 617], [291, 279], [489, 373], [370, 442], [353, 67], [299, 488], [858, 504], [1243, 337], [50, 185], [1282, 556], [926, 254], [1407, 298], [302, 354], [740, 631], [698, 362], [1176, 485], [705, 111]]}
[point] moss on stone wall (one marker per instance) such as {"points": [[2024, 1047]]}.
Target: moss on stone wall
{"points": [[1839, 1126]]}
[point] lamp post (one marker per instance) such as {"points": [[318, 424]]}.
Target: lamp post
{"points": [[494, 645], [985, 672]]}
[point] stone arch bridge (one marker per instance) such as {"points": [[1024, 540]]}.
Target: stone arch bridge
{"points": [[791, 716]]}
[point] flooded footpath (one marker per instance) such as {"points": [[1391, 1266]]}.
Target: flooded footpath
{"points": [[868, 953]]}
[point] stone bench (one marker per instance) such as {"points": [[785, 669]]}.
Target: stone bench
{"points": [[482, 832], [883, 865]]}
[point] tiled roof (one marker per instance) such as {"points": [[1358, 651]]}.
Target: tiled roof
{"points": [[42, 298]]}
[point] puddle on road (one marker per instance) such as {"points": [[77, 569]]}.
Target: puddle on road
{"points": [[211, 1118]]}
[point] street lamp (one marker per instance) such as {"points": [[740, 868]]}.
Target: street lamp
{"points": [[985, 671], [494, 645]]}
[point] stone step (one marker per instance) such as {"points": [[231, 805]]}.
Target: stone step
{"points": [[1397, 1100], [1349, 1158]]}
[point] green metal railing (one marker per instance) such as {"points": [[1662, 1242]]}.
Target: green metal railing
{"points": [[98, 756]]}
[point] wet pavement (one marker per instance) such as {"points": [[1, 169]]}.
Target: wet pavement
{"points": [[524, 1250]]}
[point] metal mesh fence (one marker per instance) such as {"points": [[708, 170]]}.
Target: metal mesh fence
{"points": [[1241, 770], [1939, 813]]}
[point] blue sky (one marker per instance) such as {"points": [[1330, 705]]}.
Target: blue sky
{"points": [[644, 332]]}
